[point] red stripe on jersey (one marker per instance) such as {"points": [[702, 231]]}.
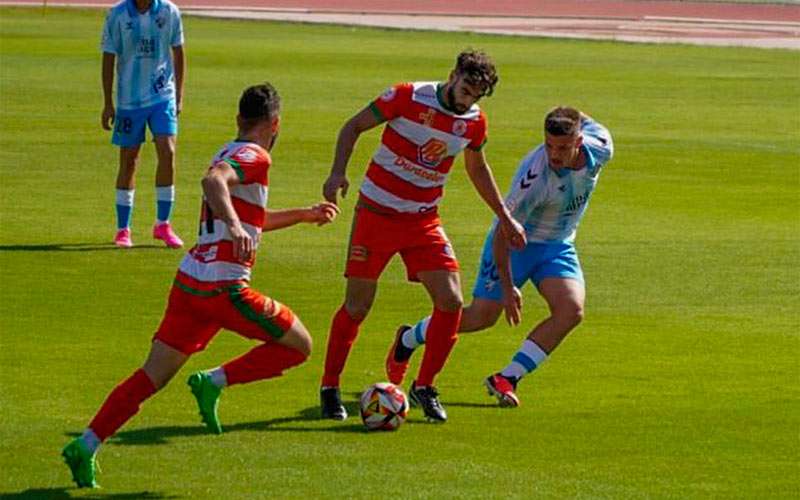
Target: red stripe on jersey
{"points": [[400, 188], [401, 146], [247, 212]]}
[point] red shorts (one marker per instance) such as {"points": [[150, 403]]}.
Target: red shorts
{"points": [[192, 320], [419, 239]]}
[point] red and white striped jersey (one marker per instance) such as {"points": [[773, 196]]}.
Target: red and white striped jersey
{"points": [[210, 265], [419, 143]]}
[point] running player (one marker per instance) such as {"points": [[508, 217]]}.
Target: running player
{"points": [[428, 124], [145, 39], [549, 195], [211, 290]]}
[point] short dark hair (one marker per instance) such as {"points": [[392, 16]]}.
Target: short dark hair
{"points": [[562, 120], [478, 69], [259, 102]]}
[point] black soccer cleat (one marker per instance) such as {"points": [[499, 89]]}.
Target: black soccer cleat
{"points": [[427, 397], [331, 404]]}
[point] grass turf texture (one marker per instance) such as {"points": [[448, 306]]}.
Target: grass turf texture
{"points": [[681, 382]]}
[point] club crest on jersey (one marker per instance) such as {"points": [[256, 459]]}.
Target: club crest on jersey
{"points": [[431, 153], [388, 94], [459, 127]]}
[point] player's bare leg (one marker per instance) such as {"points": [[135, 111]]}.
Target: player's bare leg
{"points": [[565, 298], [128, 160], [162, 363], [444, 288], [165, 190], [265, 361], [359, 297]]}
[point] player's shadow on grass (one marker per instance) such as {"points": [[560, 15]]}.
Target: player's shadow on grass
{"points": [[162, 434], [74, 247], [64, 494]]}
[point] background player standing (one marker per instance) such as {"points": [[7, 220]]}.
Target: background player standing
{"points": [[145, 38], [211, 289], [429, 123], [549, 195]]}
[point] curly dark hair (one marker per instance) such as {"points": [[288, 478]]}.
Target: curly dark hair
{"points": [[259, 102], [478, 69]]}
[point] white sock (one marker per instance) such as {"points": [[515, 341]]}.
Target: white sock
{"points": [[527, 359], [218, 377], [91, 441], [415, 337]]}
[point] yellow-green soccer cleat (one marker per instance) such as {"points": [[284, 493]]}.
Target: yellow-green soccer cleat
{"points": [[81, 463], [207, 395]]}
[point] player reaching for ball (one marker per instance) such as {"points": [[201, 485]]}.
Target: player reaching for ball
{"points": [[549, 195], [427, 125], [211, 290]]}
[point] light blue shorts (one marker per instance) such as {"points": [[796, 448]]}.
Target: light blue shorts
{"points": [[129, 124], [535, 262]]}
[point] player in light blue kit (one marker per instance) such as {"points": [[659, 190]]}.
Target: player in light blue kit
{"points": [[145, 38], [548, 196]]}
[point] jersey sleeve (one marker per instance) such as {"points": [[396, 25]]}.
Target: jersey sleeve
{"points": [[598, 142], [527, 188], [250, 164], [480, 133], [177, 29], [110, 41], [390, 104]]}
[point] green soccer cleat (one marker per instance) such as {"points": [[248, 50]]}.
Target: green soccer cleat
{"points": [[81, 463], [207, 395]]}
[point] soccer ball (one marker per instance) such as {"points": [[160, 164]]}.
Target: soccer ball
{"points": [[384, 406]]}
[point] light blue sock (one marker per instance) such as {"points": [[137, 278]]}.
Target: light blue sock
{"points": [[415, 337], [124, 208], [165, 199]]}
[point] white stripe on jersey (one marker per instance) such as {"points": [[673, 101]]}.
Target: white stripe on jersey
{"points": [[214, 271], [387, 199], [253, 193], [425, 93], [407, 170], [420, 134], [221, 232]]}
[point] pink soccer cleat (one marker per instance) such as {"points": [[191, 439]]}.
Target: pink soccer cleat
{"points": [[503, 389], [163, 231], [123, 238]]}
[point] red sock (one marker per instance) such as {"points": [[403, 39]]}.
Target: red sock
{"points": [[122, 404], [440, 338], [344, 330], [262, 362]]}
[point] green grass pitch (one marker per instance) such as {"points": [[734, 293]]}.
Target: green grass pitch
{"points": [[682, 382]]}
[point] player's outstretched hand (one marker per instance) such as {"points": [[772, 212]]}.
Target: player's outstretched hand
{"points": [[512, 303], [514, 233], [242, 243], [333, 184], [107, 117], [323, 213]]}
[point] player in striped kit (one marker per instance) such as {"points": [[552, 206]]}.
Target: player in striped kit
{"points": [[145, 39], [427, 125], [211, 290], [549, 195]]}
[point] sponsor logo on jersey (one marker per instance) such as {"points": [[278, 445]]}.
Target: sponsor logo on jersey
{"points": [[459, 127], [431, 153], [246, 155], [207, 255], [419, 172], [388, 94]]}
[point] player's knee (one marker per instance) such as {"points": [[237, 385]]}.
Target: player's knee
{"points": [[450, 302], [305, 345], [358, 308], [570, 314]]}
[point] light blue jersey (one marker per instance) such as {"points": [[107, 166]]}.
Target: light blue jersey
{"points": [[550, 204], [143, 46]]}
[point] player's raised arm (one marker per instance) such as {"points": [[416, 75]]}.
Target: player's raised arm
{"points": [[348, 135], [319, 214], [216, 188], [481, 176]]}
